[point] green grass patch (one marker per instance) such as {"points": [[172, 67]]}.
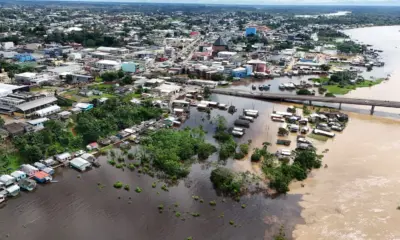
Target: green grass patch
{"points": [[10, 162], [341, 90]]}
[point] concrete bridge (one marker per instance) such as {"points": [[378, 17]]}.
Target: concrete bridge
{"points": [[290, 98]]}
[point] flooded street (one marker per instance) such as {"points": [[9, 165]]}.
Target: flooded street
{"points": [[355, 198]]}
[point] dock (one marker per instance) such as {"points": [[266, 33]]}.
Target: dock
{"points": [[291, 97]]}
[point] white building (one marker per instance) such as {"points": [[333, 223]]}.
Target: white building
{"points": [[108, 65], [25, 77]]}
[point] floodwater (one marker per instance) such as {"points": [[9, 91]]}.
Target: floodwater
{"points": [[354, 198], [357, 196]]}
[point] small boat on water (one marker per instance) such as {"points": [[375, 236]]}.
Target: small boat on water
{"points": [[283, 142]]}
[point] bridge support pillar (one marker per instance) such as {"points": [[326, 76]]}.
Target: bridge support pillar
{"points": [[310, 102], [372, 110], [340, 106]]}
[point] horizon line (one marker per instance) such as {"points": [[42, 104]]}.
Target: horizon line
{"points": [[364, 4]]}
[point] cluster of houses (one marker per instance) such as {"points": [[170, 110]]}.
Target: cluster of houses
{"points": [[41, 172]]}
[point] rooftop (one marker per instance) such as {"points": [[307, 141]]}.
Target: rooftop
{"points": [[36, 103]]}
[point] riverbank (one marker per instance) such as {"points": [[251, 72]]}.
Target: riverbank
{"points": [[356, 196]]}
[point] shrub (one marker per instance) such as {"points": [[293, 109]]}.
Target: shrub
{"points": [[119, 165], [118, 184], [126, 187], [138, 190], [238, 155], [165, 188], [160, 207], [154, 185], [131, 166], [131, 156], [177, 214], [225, 181], [244, 148], [213, 203], [195, 197], [111, 162]]}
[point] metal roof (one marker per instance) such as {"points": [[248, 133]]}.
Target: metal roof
{"points": [[36, 103], [220, 42]]}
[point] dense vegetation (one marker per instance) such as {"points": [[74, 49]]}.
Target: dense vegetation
{"points": [[226, 181], [55, 138], [282, 174], [115, 114], [171, 151], [226, 141]]}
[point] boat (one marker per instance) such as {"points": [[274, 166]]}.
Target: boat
{"points": [[238, 129], [247, 118], [13, 190], [253, 87], [237, 133], [42, 177], [222, 106], [27, 184], [250, 112], [283, 142], [242, 123], [323, 133]]}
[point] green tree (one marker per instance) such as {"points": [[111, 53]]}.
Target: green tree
{"points": [[2, 122], [120, 73], [127, 80], [244, 148], [226, 181], [207, 92], [325, 67]]}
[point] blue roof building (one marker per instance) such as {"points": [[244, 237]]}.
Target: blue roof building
{"points": [[251, 31], [129, 67]]}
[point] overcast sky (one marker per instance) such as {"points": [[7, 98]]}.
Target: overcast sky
{"points": [[271, 2]]}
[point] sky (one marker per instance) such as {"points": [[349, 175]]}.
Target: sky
{"points": [[270, 2]]}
